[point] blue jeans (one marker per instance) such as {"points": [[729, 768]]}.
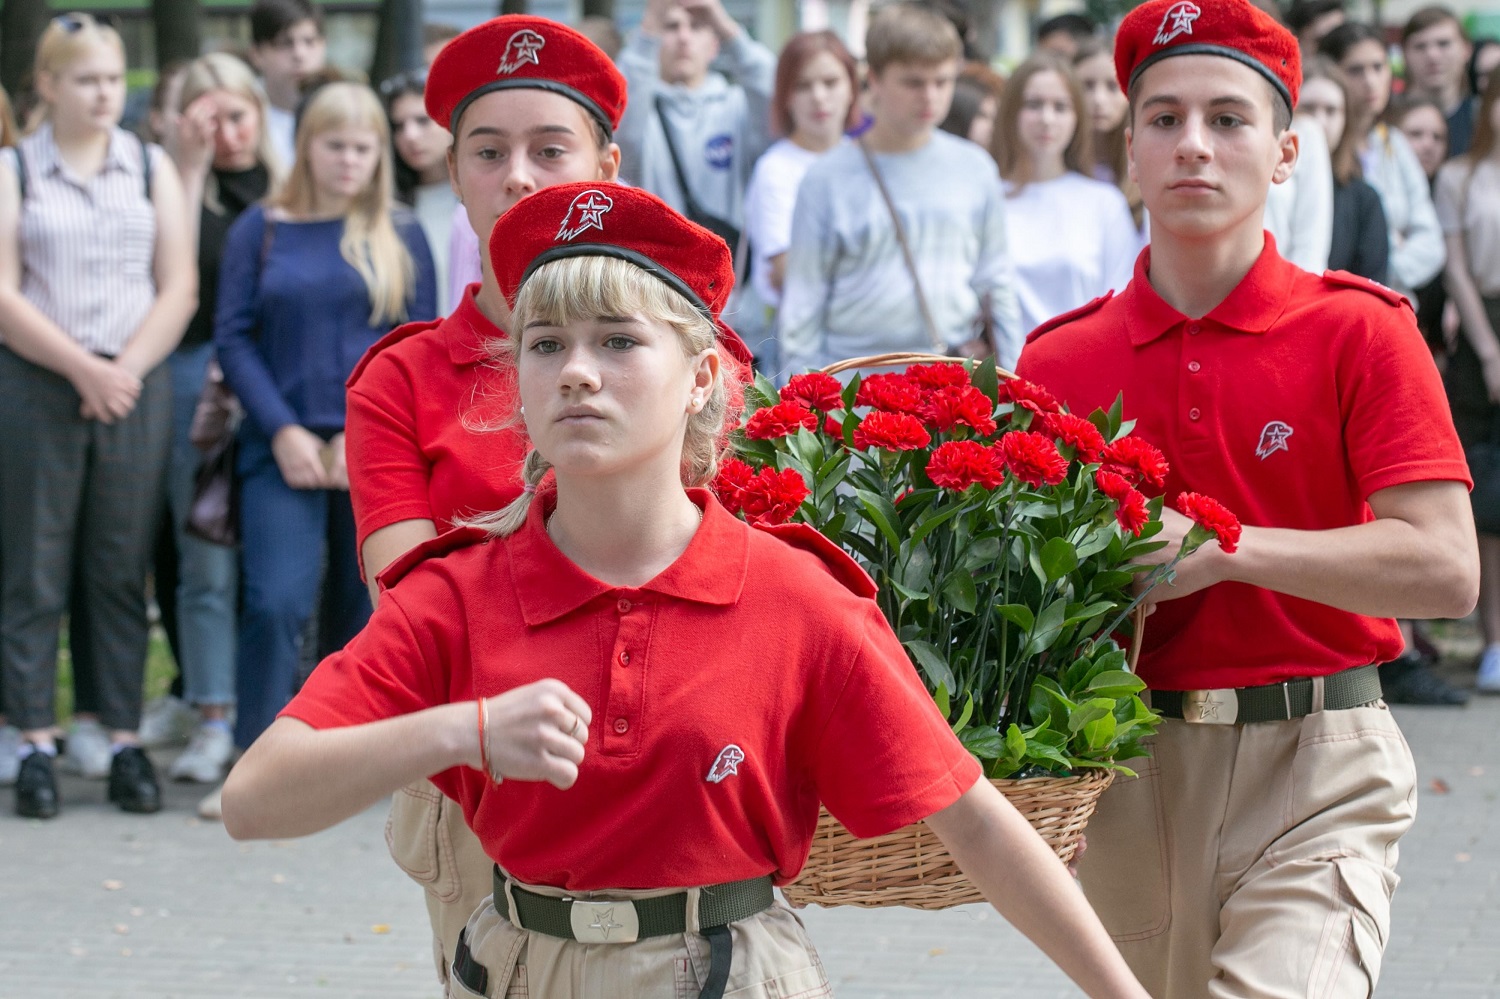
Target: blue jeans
{"points": [[207, 574], [284, 534]]}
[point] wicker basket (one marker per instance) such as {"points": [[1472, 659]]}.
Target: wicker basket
{"points": [[910, 867]]}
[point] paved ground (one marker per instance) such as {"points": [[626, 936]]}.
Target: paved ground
{"points": [[98, 904]]}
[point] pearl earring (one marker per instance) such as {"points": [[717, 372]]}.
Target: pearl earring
{"points": [[523, 410]]}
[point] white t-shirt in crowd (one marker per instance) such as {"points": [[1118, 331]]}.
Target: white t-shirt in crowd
{"points": [[1071, 239], [1468, 202], [282, 125], [769, 201], [434, 210]]}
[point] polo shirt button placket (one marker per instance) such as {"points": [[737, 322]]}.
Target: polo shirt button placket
{"points": [[622, 725], [1195, 414], [1194, 329], [1194, 367]]}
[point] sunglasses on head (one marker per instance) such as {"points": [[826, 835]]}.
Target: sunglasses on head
{"points": [[412, 79], [74, 23]]}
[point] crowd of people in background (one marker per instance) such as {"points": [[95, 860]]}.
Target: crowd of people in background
{"points": [[916, 199]]}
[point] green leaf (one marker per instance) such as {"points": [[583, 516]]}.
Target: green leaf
{"points": [[986, 378], [1058, 558], [1087, 712], [934, 667], [1017, 614], [964, 716], [882, 514], [1015, 742], [1048, 624], [940, 695], [959, 589], [1100, 732], [983, 742], [935, 518], [769, 394], [1116, 683], [906, 592]]}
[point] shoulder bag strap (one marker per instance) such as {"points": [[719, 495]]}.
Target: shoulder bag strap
{"points": [[693, 208], [911, 264], [20, 171], [145, 163]]}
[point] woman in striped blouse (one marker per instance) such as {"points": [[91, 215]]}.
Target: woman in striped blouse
{"points": [[96, 286]]}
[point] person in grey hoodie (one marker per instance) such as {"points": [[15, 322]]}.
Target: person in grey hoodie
{"points": [[719, 126]]}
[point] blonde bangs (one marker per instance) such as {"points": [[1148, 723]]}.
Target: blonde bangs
{"points": [[580, 288]]}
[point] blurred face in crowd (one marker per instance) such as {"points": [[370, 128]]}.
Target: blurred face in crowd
{"points": [[236, 130], [1436, 58], [910, 98], [1203, 146], [982, 128], [1047, 119], [512, 143], [1368, 71], [1427, 131], [88, 93], [343, 162], [1106, 102], [1487, 63], [688, 45], [1323, 101], [295, 54], [163, 120], [1321, 25], [421, 142], [1061, 42], [820, 100]]}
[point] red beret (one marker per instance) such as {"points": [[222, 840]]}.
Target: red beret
{"points": [[518, 50], [1234, 29], [611, 220]]}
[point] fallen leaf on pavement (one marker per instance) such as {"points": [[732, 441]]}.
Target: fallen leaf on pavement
{"points": [[111, 884], [122, 929], [1438, 786], [381, 928]]}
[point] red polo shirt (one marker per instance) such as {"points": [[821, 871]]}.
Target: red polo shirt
{"points": [[415, 402], [752, 678], [1291, 402]]}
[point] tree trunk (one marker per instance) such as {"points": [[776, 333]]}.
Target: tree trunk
{"points": [[179, 30], [599, 8], [512, 6], [21, 24], [398, 41]]}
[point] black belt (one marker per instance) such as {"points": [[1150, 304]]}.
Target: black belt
{"points": [[628, 920], [1350, 688]]}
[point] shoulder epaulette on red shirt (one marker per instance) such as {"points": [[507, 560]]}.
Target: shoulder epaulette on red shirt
{"points": [[1068, 317], [1344, 279], [448, 541], [835, 559], [392, 338]]}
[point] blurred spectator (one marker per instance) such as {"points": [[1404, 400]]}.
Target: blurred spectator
{"points": [[1310, 20], [852, 285], [10, 736], [1065, 34], [1070, 236], [421, 166], [1361, 244], [1468, 204], [1426, 129], [1299, 210], [287, 48], [813, 103], [9, 134], [1386, 158], [976, 102], [1436, 52], [1094, 67], [434, 37], [166, 103], [1482, 62], [86, 403], [311, 278], [603, 32], [690, 136]]}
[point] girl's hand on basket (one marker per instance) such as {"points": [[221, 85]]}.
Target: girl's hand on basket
{"points": [[299, 457], [538, 732], [1083, 847]]}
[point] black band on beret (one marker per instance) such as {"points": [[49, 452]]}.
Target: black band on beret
{"points": [[645, 263], [534, 83], [1205, 48]]}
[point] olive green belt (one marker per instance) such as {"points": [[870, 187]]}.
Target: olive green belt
{"points": [[1350, 688]]}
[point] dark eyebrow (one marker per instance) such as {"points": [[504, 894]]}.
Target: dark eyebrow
{"points": [[1171, 99], [538, 130]]}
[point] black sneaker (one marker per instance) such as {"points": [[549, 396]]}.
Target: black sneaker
{"points": [[36, 788], [1410, 680], [132, 781]]}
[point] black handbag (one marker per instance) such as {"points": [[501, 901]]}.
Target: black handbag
{"points": [[723, 228]]}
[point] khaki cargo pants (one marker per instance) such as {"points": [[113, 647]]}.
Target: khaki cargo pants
{"points": [[1256, 860], [773, 959]]}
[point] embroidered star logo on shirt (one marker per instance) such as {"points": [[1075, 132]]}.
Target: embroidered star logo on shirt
{"points": [[605, 923], [520, 50], [586, 212], [1273, 438], [1178, 20], [726, 764]]}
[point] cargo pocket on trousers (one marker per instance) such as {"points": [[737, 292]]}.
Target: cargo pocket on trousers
{"points": [[1365, 890], [495, 959], [774, 958], [1124, 869], [416, 832]]}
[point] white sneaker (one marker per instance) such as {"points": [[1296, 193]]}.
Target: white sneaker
{"points": [[205, 757], [212, 805], [1489, 670], [10, 760], [88, 752], [167, 721]]}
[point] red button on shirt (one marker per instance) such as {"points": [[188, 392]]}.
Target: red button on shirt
{"points": [[411, 455], [624, 606], [739, 719], [1322, 395], [1193, 366]]}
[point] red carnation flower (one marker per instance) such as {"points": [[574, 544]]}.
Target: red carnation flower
{"points": [[814, 390], [938, 376], [957, 465], [1137, 460], [833, 428], [949, 407], [1112, 484], [773, 497], [891, 432], [1076, 432], [734, 476], [1213, 516], [1028, 395], [780, 420], [1130, 502], [890, 393], [1033, 458]]}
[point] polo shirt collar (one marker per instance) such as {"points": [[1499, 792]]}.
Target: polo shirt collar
{"points": [[468, 330], [1254, 306], [710, 571]]}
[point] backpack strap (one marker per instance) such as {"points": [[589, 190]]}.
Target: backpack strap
{"points": [[20, 164], [145, 163]]}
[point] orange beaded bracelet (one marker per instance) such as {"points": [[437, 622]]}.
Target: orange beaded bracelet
{"points": [[484, 737]]}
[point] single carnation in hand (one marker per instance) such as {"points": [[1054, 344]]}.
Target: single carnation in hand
{"points": [[1028, 395], [957, 465], [734, 476], [1137, 460], [1033, 458], [1213, 516], [1077, 433], [814, 390], [780, 420], [773, 497], [949, 407], [937, 376], [890, 393], [891, 432], [1131, 513]]}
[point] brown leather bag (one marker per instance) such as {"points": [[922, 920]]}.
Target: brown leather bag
{"points": [[214, 514]]}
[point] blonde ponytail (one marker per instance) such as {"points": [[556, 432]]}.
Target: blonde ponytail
{"points": [[506, 521]]}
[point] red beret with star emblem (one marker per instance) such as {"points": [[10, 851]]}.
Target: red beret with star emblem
{"points": [[610, 220], [518, 50], [1234, 29]]}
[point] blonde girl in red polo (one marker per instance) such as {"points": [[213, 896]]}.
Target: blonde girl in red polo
{"points": [[609, 677]]}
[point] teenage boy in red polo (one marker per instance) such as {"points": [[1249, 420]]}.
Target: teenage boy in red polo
{"points": [[1255, 853]]}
